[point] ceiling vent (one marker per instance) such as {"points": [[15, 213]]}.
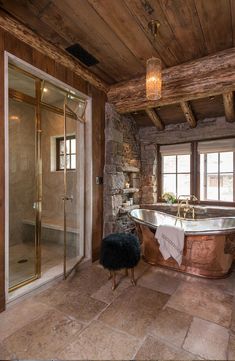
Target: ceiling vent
{"points": [[81, 54]]}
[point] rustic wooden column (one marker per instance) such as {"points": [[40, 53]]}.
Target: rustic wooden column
{"points": [[229, 108], [186, 108], [154, 117]]}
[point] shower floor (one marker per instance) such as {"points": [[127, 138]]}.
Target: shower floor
{"points": [[52, 255]]}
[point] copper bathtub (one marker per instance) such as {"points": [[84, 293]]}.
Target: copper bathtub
{"points": [[209, 243]]}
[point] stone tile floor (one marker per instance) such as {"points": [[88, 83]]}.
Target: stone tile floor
{"points": [[167, 316]]}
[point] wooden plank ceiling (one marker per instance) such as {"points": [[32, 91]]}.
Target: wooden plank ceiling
{"points": [[116, 33]]}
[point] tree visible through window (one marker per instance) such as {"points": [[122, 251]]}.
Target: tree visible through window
{"points": [[70, 153]]}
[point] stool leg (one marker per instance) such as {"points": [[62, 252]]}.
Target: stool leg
{"points": [[133, 281], [110, 275], [114, 281], [126, 272]]}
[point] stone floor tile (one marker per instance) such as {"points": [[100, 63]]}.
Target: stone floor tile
{"points": [[207, 340], [153, 349], [134, 310], [160, 280], [171, 325], [100, 342], [81, 306], [231, 347], [43, 337], [202, 301], [88, 279], [107, 295], [20, 314]]}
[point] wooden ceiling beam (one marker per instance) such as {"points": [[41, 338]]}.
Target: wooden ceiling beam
{"points": [[20, 31], [154, 117], [208, 76], [188, 113], [228, 99]]}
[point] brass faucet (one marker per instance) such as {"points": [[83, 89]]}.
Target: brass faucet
{"points": [[183, 203]]}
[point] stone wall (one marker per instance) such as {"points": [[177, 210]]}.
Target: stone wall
{"points": [[150, 137], [122, 165]]}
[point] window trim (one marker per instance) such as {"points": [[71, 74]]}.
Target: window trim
{"points": [[58, 155], [194, 172]]}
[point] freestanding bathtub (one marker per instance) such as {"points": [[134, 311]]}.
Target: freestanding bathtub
{"points": [[209, 243]]}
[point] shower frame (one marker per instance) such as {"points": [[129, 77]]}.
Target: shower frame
{"points": [[66, 111]]}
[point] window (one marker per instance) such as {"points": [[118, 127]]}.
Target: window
{"points": [[176, 169], [205, 169], [217, 170], [70, 153]]}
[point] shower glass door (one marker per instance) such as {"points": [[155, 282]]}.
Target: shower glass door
{"points": [[23, 196], [73, 183]]}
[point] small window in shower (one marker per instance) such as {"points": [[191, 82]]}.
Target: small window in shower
{"points": [[70, 153]]}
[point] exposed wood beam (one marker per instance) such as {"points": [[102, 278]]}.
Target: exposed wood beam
{"points": [[229, 107], [20, 31], [154, 117], [211, 75], [188, 113]]}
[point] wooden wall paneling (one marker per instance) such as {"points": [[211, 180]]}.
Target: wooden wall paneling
{"points": [[2, 178], [184, 22], [211, 75], [98, 156], [216, 22], [19, 49], [232, 6]]}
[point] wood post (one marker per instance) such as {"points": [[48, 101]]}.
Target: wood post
{"points": [[155, 118], [229, 108], [186, 108]]}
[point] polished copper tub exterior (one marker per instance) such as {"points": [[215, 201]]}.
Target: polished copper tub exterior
{"points": [[208, 251]]}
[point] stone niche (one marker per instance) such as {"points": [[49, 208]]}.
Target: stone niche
{"points": [[121, 171]]}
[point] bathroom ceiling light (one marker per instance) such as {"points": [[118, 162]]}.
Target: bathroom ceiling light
{"points": [[153, 69]]}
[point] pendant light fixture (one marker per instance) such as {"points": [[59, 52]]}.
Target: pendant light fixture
{"points": [[153, 69]]}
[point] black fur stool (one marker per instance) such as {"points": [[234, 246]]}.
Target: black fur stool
{"points": [[118, 251]]}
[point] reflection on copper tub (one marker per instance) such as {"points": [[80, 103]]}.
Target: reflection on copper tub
{"points": [[209, 243]]}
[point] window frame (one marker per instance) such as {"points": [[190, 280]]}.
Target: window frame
{"points": [[194, 173], [58, 154]]}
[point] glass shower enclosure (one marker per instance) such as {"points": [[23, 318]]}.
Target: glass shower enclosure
{"points": [[46, 178]]}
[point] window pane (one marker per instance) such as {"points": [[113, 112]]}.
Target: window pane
{"points": [[212, 162], [169, 164], [73, 161], [202, 175], [183, 163], [68, 162], [212, 186], [67, 146], [169, 183], [226, 187], [61, 147], [226, 162], [183, 184], [73, 145], [62, 162]]}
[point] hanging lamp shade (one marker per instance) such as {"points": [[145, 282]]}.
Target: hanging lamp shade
{"points": [[153, 79]]}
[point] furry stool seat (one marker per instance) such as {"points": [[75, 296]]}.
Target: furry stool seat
{"points": [[118, 251]]}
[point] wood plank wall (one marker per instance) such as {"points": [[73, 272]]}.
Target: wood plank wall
{"points": [[32, 56]]}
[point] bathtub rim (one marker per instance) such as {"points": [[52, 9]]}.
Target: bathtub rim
{"points": [[187, 233]]}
